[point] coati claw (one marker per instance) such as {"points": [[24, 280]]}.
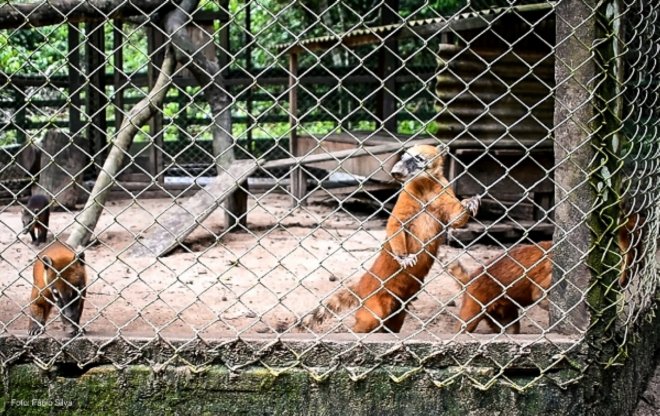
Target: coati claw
{"points": [[472, 204], [35, 330], [408, 260]]}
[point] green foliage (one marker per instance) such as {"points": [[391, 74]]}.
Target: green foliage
{"points": [[33, 51], [273, 22]]}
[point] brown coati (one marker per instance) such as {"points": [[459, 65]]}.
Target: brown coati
{"points": [[35, 218], [495, 292], [630, 239], [498, 290], [59, 279], [424, 209]]}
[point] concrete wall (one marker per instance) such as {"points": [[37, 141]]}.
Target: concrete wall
{"points": [[575, 385]]}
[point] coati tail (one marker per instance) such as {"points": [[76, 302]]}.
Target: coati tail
{"points": [[340, 301], [457, 270]]}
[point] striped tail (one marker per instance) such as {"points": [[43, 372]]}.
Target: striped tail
{"points": [[340, 301], [458, 271]]}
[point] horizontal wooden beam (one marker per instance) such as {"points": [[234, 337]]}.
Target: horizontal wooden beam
{"points": [[346, 154], [31, 15], [397, 146]]}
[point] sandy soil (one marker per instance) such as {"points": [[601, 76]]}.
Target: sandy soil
{"points": [[226, 284]]}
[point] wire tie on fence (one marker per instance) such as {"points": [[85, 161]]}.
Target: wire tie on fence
{"points": [[406, 375], [319, 378], [358, 377]]}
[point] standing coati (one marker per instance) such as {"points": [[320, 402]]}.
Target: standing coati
{"points": [[425, 207], [59, 279], [35, 218], [497, 290]]}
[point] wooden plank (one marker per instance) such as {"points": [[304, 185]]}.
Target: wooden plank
{"points": [[499, 233], [345, 154], [374, 167], [173, 225]]}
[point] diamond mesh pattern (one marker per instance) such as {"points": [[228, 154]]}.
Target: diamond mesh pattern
{"points": [[226, 169]]}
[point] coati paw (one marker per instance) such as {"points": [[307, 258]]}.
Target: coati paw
{"points": [[408, 260], [35, 330], [472, 204], [72, 332]]}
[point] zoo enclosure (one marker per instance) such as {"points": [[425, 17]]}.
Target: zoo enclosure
{"points": [[593, 61]]}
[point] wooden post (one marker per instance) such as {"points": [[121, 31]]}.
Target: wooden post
{"points": [[248, 66], [19, 117], [183, 120], [236, 206], [298, 177], [62, 165], [97, 125], [75, 75], [155, 40], [236, 203], [118, 72], [387, 68], [574, 73]]}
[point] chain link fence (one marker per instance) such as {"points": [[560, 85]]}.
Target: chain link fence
{"points": [[225, 174]]}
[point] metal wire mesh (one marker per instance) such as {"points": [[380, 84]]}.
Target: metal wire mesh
{"points": [[226, 170]]}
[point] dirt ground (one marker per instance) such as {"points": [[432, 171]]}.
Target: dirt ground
{"points": [[226, 284]]}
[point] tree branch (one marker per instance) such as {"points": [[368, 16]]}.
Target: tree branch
{"points": [[87, 219], [208, 76]]}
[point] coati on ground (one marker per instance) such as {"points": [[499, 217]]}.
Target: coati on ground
{"points": [[60, 279], [425, 208], [35, 218], [522, 277], [495, 292]]}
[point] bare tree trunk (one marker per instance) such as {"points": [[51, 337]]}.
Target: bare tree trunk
{"points": [[29, 15], [206, 72], [208, 76], [86, 220]]}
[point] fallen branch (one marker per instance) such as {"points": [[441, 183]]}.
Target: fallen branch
{"points": [[87, 219]]}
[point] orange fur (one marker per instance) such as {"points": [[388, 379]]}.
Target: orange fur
{"points": [[495, 292], [59, 278], [630, 244], [521, 278], [425, 207]]}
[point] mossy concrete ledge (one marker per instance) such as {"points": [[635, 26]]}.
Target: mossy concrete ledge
{"points": [[139, 390], [581, 387]]}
